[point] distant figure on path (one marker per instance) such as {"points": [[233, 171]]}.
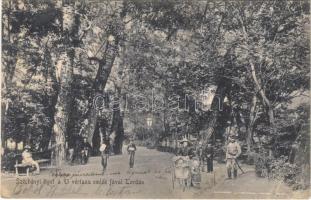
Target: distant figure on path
{"points": [[232, 153], [85, 150], [200, 153], [209, 156], [27, 159], [104, 151], [70, 144], [131, 148]]}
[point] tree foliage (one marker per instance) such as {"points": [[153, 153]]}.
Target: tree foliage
{"points": [[146, 55]]}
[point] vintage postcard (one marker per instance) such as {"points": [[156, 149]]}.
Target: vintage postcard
{"points": [[155, 99]]}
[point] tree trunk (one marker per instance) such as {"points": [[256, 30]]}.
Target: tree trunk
{"points": [[104, 69], [117, 128], [257, 83], [249, 139], [117, 124], [302, 157], [166, 125], [262, 94], [64, 69], [221, 91], [62, 109], [10, 50]]}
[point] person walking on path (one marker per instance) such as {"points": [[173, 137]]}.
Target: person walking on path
{"points": [[85, 150], [104, 152], [209, 157], [232, 153], [131, 148]]}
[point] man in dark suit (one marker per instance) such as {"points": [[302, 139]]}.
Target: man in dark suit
{"points": [[131, 148], [209, 152]]}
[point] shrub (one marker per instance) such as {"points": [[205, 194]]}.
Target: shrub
{"points": [[8, 161], [262, 164], [284, 171], [279, 169]]}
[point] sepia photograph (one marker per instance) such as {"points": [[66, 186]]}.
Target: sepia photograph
{"points": [[155, 99]]}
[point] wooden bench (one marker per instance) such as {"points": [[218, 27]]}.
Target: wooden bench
{"points": [[43, 162], [27, 167]]}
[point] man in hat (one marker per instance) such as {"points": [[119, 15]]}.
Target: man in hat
{"points": [[232, 153], [27, 159], [209, 152], [131, 148]]}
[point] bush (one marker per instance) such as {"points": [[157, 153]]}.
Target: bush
{"points": [[284, 171], [262, 165], [279, 169], [8, 161]]}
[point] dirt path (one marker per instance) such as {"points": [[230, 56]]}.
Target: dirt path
{"points": [[150, 178]]}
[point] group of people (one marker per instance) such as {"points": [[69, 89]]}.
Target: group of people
{"points": [[105, 152], [85, 148], [79, 149], [205, 154]]}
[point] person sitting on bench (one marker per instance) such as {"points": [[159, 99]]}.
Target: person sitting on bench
{"points": [[27, 159]]}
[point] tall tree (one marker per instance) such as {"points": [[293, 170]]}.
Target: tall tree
{"points": [[103, 53], [64, 68]]}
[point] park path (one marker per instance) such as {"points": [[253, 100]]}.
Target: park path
{"points": [[150, 178]]}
